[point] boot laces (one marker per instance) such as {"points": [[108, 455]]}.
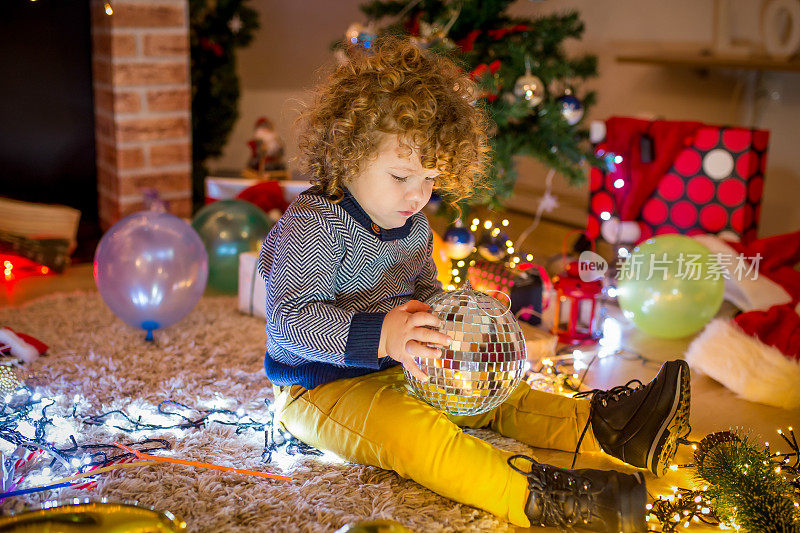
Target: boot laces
{"points": [[602, 397], [565, 498], [613, 394]]}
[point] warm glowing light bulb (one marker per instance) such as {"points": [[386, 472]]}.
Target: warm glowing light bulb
{"points": [[487, 224], [108, 8]]}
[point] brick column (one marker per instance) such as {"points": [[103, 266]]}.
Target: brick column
{"points": [[142, 104]]}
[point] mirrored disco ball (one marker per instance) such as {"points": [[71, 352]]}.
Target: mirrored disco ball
{"points": [[484, 363]]}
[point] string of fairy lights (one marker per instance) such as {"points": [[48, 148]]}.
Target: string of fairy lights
{"points": [[460, 268], [46, 456], [40, 451], [679, 510]]}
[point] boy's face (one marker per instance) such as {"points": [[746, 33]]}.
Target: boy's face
{"points": [[392, 187]]}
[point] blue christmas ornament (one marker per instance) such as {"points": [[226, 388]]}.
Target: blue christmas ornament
{"points": [[571, 108], [493, 247], [433, 205], [459, 242]]}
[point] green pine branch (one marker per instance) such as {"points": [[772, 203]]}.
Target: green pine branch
{"points": [[746, 488]]}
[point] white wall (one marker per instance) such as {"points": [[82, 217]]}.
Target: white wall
{"points": [[282, 64]]}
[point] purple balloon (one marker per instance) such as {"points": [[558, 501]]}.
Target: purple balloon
{"points": [[151, 269]]}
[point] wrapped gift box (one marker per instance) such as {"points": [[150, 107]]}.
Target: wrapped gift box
{"points": [[523, 285], [677, 177], [252, 290]]}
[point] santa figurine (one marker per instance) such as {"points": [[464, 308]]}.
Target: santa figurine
{"points": [[266, 148]]}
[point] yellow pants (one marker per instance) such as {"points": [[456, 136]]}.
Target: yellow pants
{"points": [[373, 420]]}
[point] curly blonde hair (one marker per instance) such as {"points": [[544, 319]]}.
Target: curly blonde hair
{"points": [[427, 100]]}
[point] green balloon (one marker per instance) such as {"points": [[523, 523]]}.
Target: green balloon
{"points": [[229, 228], [677, 299]]}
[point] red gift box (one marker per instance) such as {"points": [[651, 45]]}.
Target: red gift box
{"points": [[678, 177]]}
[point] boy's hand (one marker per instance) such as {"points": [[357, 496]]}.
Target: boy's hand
{"points": [[404, 333]]}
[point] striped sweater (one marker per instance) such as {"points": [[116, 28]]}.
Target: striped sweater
{"points": [[331, 276]]}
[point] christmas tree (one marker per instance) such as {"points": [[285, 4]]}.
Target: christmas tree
{"points": [[217, 28], [526, 80]]}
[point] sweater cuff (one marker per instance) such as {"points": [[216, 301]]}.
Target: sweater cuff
{"points": [[363, 340]]}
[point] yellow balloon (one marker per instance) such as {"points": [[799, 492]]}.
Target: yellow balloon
{"points": [[92, 516], [442, 260]]}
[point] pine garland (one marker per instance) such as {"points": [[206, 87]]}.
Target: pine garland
{"points": [[745, 485]]}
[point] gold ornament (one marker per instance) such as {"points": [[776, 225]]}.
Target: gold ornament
{"points": [[92, 516], [9, 382], [374, 526]]}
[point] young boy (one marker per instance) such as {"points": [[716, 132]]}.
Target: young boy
{"points": [[347, 268]]}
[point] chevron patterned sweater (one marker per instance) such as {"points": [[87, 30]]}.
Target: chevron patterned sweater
{"points": [[331, 277]]}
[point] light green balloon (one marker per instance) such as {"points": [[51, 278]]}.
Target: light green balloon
{"points": [[229, 228], [677, 300]]}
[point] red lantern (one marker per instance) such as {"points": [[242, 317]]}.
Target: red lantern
{"points": [[575, 306]]}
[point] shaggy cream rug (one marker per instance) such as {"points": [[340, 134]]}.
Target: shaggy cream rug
{"points": [[213, 357]]}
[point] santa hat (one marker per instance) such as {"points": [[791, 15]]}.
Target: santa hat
{"points": [[757, 353], [20, 345]]}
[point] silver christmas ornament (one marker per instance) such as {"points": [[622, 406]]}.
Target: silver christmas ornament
{"points": [[530, 88], [484, 363]]}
